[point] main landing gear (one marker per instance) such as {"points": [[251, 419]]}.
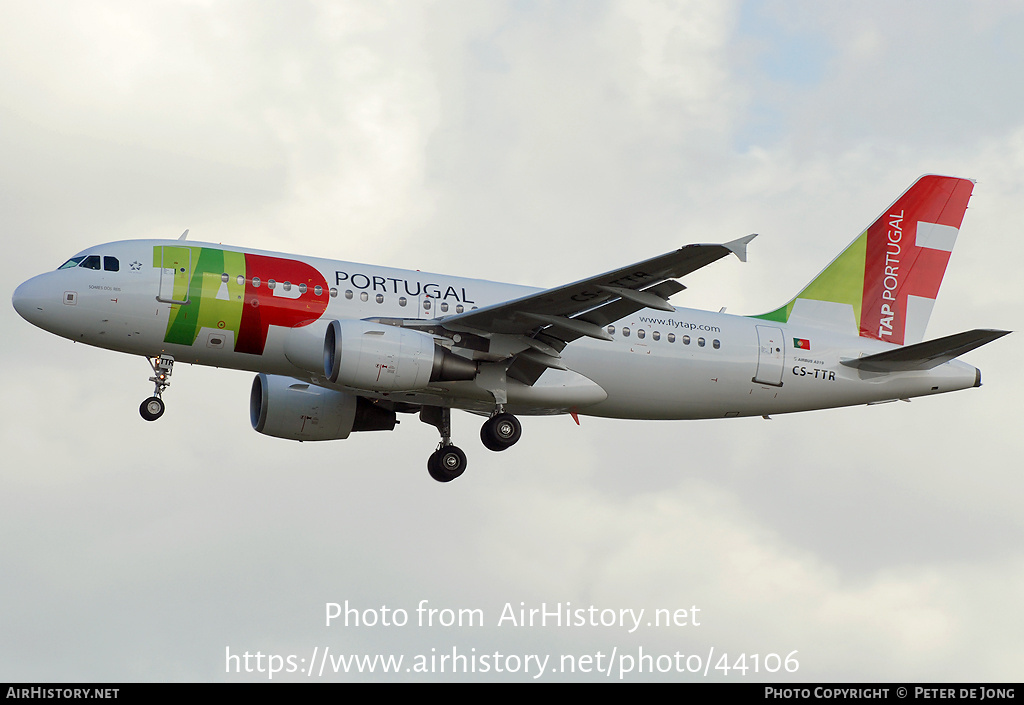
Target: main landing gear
{"points": [[163, 366], [499, 432], [448, 461]]}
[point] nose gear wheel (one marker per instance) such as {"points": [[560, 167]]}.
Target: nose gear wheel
{"points": [[152, 409], [163, 366]]}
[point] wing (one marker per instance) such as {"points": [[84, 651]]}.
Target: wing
{"points": [[574, 308], [534, 329]]}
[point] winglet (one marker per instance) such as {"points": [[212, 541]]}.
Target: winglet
{"points": [[183, 235], [739, 247]]}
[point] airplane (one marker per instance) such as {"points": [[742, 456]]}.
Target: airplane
{"points": [[340, 347]]}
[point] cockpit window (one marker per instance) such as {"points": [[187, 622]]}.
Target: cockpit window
{"points": [[91, 262], [71, 263], [110, 264]]}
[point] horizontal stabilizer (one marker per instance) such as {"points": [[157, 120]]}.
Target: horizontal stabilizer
{"points": [[926, 355]]}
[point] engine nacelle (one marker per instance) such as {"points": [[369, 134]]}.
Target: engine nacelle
{"points": [[386, 358], [288, 408]]}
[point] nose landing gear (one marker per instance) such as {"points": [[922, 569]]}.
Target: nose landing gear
{"points": [[153, 408]]}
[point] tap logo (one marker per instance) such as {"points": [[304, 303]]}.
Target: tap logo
{"points": [[238, 292]]}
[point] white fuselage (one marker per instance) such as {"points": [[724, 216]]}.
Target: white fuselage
{"points": [[687, 364]]}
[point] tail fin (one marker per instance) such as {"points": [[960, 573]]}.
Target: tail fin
{"points": [[883, 286]]}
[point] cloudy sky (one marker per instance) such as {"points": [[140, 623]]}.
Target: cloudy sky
{"points": [[538, 143]]}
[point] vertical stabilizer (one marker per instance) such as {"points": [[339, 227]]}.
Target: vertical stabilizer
{"points": [[883, 286]]}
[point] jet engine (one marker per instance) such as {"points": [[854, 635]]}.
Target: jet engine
{"points": [[385, 358], [289, 408]]}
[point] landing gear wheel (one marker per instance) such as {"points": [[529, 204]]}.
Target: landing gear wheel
{"points": [[163, 366], [446, 463], [152, 409], [501, 431]]}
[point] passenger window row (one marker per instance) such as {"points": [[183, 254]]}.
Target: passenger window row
{"points": [[641, 333], [110, 264], [273, 284], [318, 290], [443, 306]]}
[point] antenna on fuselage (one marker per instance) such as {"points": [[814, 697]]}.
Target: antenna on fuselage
{"points": [[184, 234]]}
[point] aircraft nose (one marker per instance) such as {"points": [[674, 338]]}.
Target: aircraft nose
{"points": [[30, 300]]}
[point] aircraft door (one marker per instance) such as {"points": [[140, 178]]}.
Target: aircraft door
{"points": [[175, 265], [771, 356]]}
